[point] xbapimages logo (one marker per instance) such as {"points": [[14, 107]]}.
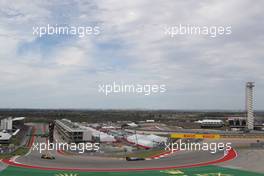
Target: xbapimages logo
{"points": [[80, 31], [123, 88]]}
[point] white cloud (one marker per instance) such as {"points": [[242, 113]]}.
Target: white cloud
{"points": [[132, 47]]}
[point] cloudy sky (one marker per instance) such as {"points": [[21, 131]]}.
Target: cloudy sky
{"points": [[200, 72]]}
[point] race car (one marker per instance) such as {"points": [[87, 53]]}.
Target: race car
{"points": [[134, 159], [45, 156]]}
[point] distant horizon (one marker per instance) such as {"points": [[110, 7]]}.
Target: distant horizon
{"points": [[134, 109]]}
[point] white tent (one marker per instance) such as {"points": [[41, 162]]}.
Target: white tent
{"points": [[132, 124], [157, 138], [103, 136], [147, 141], [5, 136]]}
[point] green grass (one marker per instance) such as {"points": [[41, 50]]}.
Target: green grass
{"points": [[19, 151], [15, 140], [146, 153]]}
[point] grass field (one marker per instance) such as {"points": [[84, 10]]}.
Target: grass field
{"points": [[19, 151], [146, 154], [199, 171]]}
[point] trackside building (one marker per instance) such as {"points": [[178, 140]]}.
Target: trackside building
{"points": [[72, 132]]}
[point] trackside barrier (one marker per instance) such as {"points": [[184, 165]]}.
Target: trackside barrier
{"points": [[214, 136], [194, 136]]}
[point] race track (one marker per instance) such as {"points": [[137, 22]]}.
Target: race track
{"points": [[90, 163]]}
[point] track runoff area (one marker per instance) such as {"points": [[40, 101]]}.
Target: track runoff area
{"points": [[206, 168]]}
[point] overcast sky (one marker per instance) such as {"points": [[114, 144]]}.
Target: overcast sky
{"points": [[200, 72]]}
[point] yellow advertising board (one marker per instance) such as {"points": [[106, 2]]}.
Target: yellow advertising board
{"points": [[194, 136]]}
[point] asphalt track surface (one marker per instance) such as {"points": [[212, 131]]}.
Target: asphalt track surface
{"points": [[248, 159], [90, 163]]}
